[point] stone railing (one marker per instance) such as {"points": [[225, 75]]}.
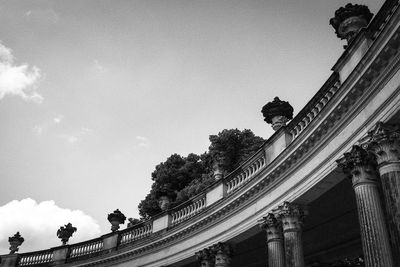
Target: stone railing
{"points": [[314, 106], [244, 174], [86, 248], [189, 209], [136, 232], [35, 258]]}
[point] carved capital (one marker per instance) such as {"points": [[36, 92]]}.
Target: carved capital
{"points": [[384, 142], [205, 257], [360, 165], [292, 217], [223, 254], [272, 226]]}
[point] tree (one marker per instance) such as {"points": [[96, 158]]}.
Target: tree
{"points": [[181, 178], [232, 147]]}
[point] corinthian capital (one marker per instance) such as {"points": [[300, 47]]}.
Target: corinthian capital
{"points": [[291, 216], [272, 226], [205, 257], [359, 164], [384, 142]]}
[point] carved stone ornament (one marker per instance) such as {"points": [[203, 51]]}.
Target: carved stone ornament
{"points": [[205, 257], [116, 218], [272, 226], [359, 164], [218, 172], [348, 20], [292, 216], [65, 232], [384, 142], [277, 113], [15, 241], [223, 254]]}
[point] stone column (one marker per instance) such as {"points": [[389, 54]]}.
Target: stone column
{"points": [[384, 142], [292, 216], [273, 228], [375, 240], [205, 258], [223, 254]]}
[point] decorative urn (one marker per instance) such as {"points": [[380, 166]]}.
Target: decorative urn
{"points": [[116, 218], [164, 196], [348, 20], [218, 172], [65, 232], [277, 113], [15, 241]]}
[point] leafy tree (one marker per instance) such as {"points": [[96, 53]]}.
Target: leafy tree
{"points": [[232, 147], [181, 178]]}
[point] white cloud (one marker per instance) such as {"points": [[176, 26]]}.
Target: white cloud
{"points": [[17, 80], [46, 15], [38, 224], [58, 119], [99, 66], [143, 141], [75, 137]]}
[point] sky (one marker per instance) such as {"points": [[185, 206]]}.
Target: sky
{"points": [[94, 94]]}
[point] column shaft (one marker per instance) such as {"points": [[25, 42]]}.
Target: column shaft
{"points": [[374, 236], [293, 249], [276, 255]]}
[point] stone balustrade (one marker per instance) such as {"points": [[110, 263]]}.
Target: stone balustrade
{"points": [[35, 258], [86, 248], [190, 210], [131, 234]]}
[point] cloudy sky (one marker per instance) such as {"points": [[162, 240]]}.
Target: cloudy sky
{"points": [[94, 94]]}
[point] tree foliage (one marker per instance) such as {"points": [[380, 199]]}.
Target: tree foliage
{"points": [[181, 178]]}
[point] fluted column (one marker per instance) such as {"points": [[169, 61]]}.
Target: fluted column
{"points": [[205, 257], [375, 240], [384, 142], [223, 254], [292, 216], [273, 228]]}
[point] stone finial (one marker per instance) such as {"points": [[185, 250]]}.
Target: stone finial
{"points": [[277, 113], [218, 172], [15, 241], [65, 232], [116, 218], [205, 257], [164, 196], [348, 20]]}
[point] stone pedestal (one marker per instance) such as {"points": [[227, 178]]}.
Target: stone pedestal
{"points": [[273, 228], [292, 216], [375, 240], [10, 260], [60, 255], [384, 142], [223, 254], [110, 241]]}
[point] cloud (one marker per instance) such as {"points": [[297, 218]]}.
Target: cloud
{"points": [[19, 80], [143, 141], [98, 66], [46, 15], [38, 224], [75, 137], [58, 119]]}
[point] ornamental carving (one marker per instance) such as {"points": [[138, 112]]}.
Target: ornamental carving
{"points": [[272, 226], [384, 142], [116, 218], [15, 241], [65, 232], [223, 254], [348, 20], [206, 258], [291, 215], [359, 164], [277, 113]]}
